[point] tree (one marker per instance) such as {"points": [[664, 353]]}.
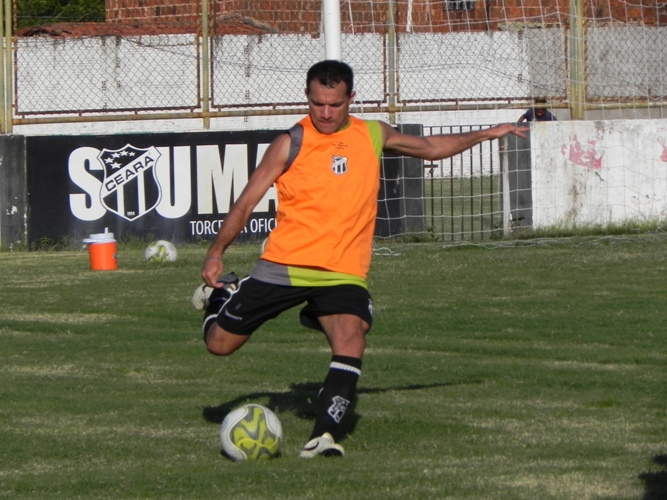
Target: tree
{"points": [[38, 12]]}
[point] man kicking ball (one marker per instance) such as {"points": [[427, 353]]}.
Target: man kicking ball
{"points": [[326, 169]]}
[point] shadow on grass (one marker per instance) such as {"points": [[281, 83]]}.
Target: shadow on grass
{"points": [[301, 399], [656, 482]]}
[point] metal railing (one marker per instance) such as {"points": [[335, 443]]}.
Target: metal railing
{"points": [[172, 74], [462, 194]]}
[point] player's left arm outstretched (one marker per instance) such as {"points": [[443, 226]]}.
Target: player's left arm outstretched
{"points": [[437, 147], [273, 164]]}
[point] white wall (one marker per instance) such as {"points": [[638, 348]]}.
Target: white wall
{"points": [[597, 173], [159, 74]]}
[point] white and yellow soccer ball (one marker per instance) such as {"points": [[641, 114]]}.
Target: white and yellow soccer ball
{"points": [[161, 251], [251, 432]]}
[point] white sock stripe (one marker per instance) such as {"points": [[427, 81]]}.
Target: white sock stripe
{"points": [[347, 368]]}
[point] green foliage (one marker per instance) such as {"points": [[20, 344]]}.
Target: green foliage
{"points": [[47, 244], [521, 373], [38, 12]]}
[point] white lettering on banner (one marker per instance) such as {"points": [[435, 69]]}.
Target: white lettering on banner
{"points": [[88, 205], [214, 178], [181, 191], [262, 225], [206, 227], [271, 194], [126, 174]]}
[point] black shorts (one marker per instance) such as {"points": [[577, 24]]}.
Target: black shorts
{"points": [[255, 302]]}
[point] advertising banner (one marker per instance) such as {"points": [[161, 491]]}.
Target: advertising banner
{"points": [[177, 187]]}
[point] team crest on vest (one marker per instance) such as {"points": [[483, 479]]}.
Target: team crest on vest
{"points": [[130, 188], [339, 164]]}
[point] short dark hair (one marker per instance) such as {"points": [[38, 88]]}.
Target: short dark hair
{"points": [[330, 73]]}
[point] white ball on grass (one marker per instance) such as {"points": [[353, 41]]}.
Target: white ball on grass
{"points": [[251, 432], [161, 251]]}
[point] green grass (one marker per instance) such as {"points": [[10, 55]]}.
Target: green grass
{"points": [[462, 208], [530, 372]]}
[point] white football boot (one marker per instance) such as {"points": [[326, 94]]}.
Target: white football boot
{"points": [[202, 294], [323, 445], [200, 297]]}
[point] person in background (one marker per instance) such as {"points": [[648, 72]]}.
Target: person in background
{"points": [[538, 113]]}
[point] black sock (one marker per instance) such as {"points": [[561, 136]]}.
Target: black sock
{"points": [[336, 394], [215, 302]]}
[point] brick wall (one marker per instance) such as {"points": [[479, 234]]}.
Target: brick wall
{"points": [[152, 10], [303, 16]]}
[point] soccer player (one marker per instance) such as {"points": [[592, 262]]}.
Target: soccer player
{"points": [[326, 170]]}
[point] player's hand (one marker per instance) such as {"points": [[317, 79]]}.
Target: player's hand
{"points": [[520, 131], [509, 128], [211, 271]]}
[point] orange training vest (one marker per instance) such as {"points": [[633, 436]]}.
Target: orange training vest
{"points": [[327, 202]]}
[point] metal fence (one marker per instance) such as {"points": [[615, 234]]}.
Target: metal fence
{"points": [[463, 194], [456, 199], [154, 72]]}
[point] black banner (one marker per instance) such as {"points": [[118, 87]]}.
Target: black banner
{"points": [[177, 187]]}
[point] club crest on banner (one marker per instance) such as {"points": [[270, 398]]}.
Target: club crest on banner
{"points": [[339, 165], [130, 187]]}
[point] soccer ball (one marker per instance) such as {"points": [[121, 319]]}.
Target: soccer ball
{"points": [[161, 251], [251, 432]]}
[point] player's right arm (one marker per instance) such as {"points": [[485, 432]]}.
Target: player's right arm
{"points": [[273, 164], [437, 147]]}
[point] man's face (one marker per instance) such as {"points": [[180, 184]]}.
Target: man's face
{"points": [[539, 112], [328, 107]]}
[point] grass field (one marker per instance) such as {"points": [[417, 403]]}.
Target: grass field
{"points": [[531, 372], [459, 208]]}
